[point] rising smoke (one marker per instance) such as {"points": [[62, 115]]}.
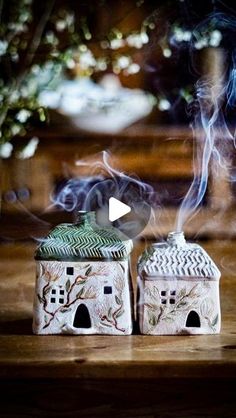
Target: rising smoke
{"points": [[212, 137]]}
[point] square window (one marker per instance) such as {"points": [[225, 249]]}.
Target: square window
{"points": [[62, 292], [53, 291], [53, 300], [163, 293], [173, 292], [163, 301], [107, 290], [61, 300], [70, 271], [172, 301]]}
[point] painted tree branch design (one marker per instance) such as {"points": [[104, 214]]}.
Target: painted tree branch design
{"points": [[107, 314], [53, 273], [185, 301]]}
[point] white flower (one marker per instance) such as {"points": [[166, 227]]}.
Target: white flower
{"points": [[60, 25], [87, 60], [164, 104], [70, 63], [29, 149], [133, 68], [51, 38], [187, 35], [201, 43], [123, 61], [101, 64], [23, 115], [35, 69], [144, 37], [6, 150], [215, 38], [15, 129], [182, 35], [116, 43], [167, 52], [3, 47], [17, 27], [135, 40]]}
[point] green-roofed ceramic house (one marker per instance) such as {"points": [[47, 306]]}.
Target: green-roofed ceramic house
{"points": [[83, 282]]}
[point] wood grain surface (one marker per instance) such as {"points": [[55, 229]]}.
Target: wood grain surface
{"points": [[136, 376]]}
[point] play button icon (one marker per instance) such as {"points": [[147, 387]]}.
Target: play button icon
{"points": [[120, 201], [117, 209]]}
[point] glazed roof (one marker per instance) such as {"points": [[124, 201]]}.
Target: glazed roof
{"points": [[168, 259], [83, 240]]}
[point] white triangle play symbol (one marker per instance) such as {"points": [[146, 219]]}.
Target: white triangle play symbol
{"points": [[117, 209]]}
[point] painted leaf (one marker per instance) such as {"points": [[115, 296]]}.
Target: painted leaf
{"points": [[215, 320], [182, 292], [181, 304], [118, 301], [110, 311], [153, 320], [151, 306], [169, 318], [120, 313], [122, 267], [47, 290], [68, 285], [87, 265], [79, 294], [78, 281], [41, 300], [106, 325], [63, 310], [88, 271]]}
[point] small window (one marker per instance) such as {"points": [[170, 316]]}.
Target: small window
{"points": [[53, 300], [70, 271], [53, 291], [173, 292], [163, 293], [172, 301], [163, 301], [62, 292], [61, 300], [107, 290]]}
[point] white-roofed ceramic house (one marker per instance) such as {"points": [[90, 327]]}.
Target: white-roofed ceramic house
{"points": [[83, 282], [178, 289]]}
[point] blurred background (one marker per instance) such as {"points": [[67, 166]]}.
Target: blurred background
{"points": [[78, 78], [96, 89]]}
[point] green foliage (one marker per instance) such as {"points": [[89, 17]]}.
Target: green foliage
{"points": [[36, 45], [39, 42]]}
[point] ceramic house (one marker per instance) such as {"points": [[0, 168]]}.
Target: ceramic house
{"points": [[178, 289], [83, 282]]}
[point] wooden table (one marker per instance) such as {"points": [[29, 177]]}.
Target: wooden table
{"points": [[96, 376]]}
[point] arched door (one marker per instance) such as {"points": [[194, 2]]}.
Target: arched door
{"points": [[82, 317], [193, 320]]}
